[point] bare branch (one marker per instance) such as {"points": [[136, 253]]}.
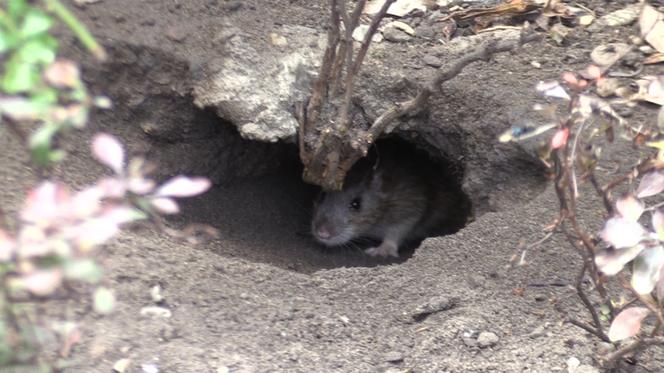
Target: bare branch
{"points": [[597, 324], [353, 67], [481, 54], [612, 358]]}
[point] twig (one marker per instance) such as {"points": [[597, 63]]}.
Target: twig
{"points": [[597, 324], [308, 117], [611, 359], [481, 54], [77, 27], [352, 69], [605, 198]]}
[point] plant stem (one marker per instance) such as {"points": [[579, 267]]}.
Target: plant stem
{"points": [[77, 27]]}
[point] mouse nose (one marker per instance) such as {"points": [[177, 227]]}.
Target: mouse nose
{"points": [[323, 233]]}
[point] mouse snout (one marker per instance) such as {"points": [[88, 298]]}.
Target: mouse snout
{"points": [[322, 229], [323, 232]]}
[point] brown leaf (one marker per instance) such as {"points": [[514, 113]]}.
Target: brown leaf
{"points": [[652, 183], [652, 27]]}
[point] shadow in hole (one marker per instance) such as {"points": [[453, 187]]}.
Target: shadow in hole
{"points": [[267, 219]]}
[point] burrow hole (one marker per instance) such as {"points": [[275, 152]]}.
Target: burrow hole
{"points": [[259, 203]]}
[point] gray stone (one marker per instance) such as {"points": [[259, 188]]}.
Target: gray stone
{"points": [[395, 35], [432, 61], [239, 92], [487, 339]]}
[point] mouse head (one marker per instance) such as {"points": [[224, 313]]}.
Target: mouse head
{"points": [[342, 216]]}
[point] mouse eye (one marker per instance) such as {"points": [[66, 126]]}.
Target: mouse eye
{"points": [[355, 204]]}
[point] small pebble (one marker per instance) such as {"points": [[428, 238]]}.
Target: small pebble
{"points": [[395, 35], [432, 61], [393, 357], [487, 339]]}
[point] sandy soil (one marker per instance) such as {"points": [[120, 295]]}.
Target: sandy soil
{"points": [[264, 297]]}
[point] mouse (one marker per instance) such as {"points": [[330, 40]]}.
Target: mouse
{"points": [[392, 199]]}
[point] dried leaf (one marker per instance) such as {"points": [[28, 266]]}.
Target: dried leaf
{"points": [[654, 58], [646, 269], [651, 23], [622, 17], [630, 207], [628, 323], [651, 183], [608, 54], [401, 26], [165, 205], [182, 186], [399, 8], [612, 261], [621, 233], [607, 86], [108, 150], [552, 89]]}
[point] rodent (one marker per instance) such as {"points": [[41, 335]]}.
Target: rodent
{"points": [[394, 198]]}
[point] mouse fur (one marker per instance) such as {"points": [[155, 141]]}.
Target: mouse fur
{"points": [[393, 198]]}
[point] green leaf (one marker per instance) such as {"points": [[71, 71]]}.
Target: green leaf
{"points": [[37, 50], [40, 144], [34, 23], [16, 8], [47, 96], [5, 41], [19, 108], [19, 77], [104, 300], [83, 270]]}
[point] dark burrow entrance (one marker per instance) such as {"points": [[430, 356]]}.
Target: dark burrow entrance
{"points": [[263, 212], [259, 203]]}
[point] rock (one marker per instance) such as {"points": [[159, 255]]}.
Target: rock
{"points": [[487, 339], [540, 331], [402, 26], [177, 34], [622, 17], [586, 369], [360, 32], [393, 357], [238, 91], [469, 340], [232, 5], [121, 365], [395, 35], [433, 306], [82, 3], [156, 311], [399, 8], [278, 40], [572, 364], [425, 32], [432, 61]]}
